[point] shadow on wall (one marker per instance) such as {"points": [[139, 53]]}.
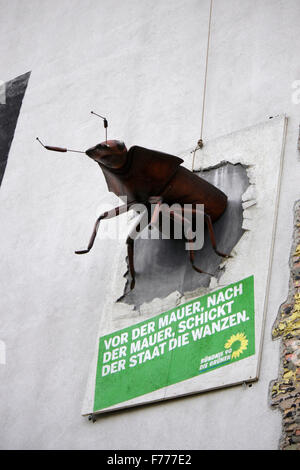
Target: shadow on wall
{"points": [[163, 266], [10, 105]]}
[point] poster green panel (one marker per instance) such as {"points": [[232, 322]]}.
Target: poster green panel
{"points": [[206, 333]]}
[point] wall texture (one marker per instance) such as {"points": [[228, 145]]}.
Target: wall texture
{"points": [[140, 63], [285, 391]]}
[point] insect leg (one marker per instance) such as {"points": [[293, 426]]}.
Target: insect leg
{"points": [[192, 255], [210, 231], [157, 200], [212, 236], [130, 254], [176, 216], [106, 215], [133, 235]]}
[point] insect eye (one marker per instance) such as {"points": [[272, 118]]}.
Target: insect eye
{"points": [[120, 145], [102, 146]]}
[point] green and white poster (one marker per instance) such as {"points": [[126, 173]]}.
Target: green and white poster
{"points": [[193, 339]]}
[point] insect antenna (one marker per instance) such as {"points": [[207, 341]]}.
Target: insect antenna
{"points": [[57, 149], [105, 122]]}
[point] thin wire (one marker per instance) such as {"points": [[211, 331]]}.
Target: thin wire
{"points": [[200, 142], [206, 67]]}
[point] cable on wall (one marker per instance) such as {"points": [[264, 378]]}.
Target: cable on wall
{"points": [[200, 141]]}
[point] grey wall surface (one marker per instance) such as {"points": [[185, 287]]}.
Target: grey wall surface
{"points": [[140, 63]]}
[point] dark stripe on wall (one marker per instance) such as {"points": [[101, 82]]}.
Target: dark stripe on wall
{"points": [[9, 113]]}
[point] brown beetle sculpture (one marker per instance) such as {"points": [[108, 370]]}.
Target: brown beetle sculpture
{"points": [[152, 177]]}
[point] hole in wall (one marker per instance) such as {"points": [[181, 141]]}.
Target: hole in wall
{"points": [[163, 266]]}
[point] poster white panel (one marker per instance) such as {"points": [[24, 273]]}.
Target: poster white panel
{"points": [[260, 149]]}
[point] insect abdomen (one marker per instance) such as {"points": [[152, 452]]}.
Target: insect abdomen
{"points": [[188, 188]]}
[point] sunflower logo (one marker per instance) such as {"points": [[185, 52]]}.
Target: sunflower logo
{"points": [[238, 343]]}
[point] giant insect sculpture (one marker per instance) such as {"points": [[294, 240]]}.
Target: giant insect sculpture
{"points": [[151, 178]]}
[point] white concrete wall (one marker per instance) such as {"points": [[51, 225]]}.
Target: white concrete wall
{"points": [[141, 63]]}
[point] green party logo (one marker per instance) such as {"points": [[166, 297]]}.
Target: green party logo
{"points": [[238, 343]]}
